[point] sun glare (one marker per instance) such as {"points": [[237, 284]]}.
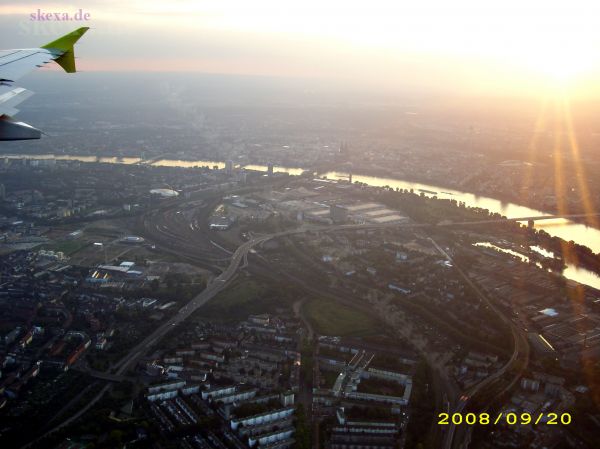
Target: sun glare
{"points": [[563, 62]]}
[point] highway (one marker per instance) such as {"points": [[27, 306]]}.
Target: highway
{"points": [[211, 290], [142, 348]]}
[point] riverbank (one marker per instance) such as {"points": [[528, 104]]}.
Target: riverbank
{"points": [[442, 187]]}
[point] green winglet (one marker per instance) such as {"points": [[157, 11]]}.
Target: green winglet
{"points": [[64, 46]]}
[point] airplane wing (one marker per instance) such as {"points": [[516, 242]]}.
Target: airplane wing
{"points": [[16, 63]]}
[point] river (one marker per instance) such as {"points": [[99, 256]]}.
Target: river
{"points": [[565, 229]]}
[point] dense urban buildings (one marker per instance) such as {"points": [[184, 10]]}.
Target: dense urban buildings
{"points": [[162, 306]]}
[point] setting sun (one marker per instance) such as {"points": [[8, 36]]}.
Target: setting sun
{"points": [[564, 58]]}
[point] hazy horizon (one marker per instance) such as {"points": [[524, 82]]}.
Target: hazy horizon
{"points": [[468, 49]]}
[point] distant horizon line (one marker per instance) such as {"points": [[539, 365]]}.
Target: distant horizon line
{"points": [[344, 85]]}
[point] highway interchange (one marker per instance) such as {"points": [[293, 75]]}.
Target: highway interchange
{"points": [[520, 343], [180, 227]]}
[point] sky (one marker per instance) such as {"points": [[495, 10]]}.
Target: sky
{"points": [[508, 47]]}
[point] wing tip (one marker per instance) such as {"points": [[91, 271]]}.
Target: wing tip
{"points": [[63, 49], [65, 43]]}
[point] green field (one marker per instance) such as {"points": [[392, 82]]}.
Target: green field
{"points": [[66, 246], [331, 318], [243, 298]]}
